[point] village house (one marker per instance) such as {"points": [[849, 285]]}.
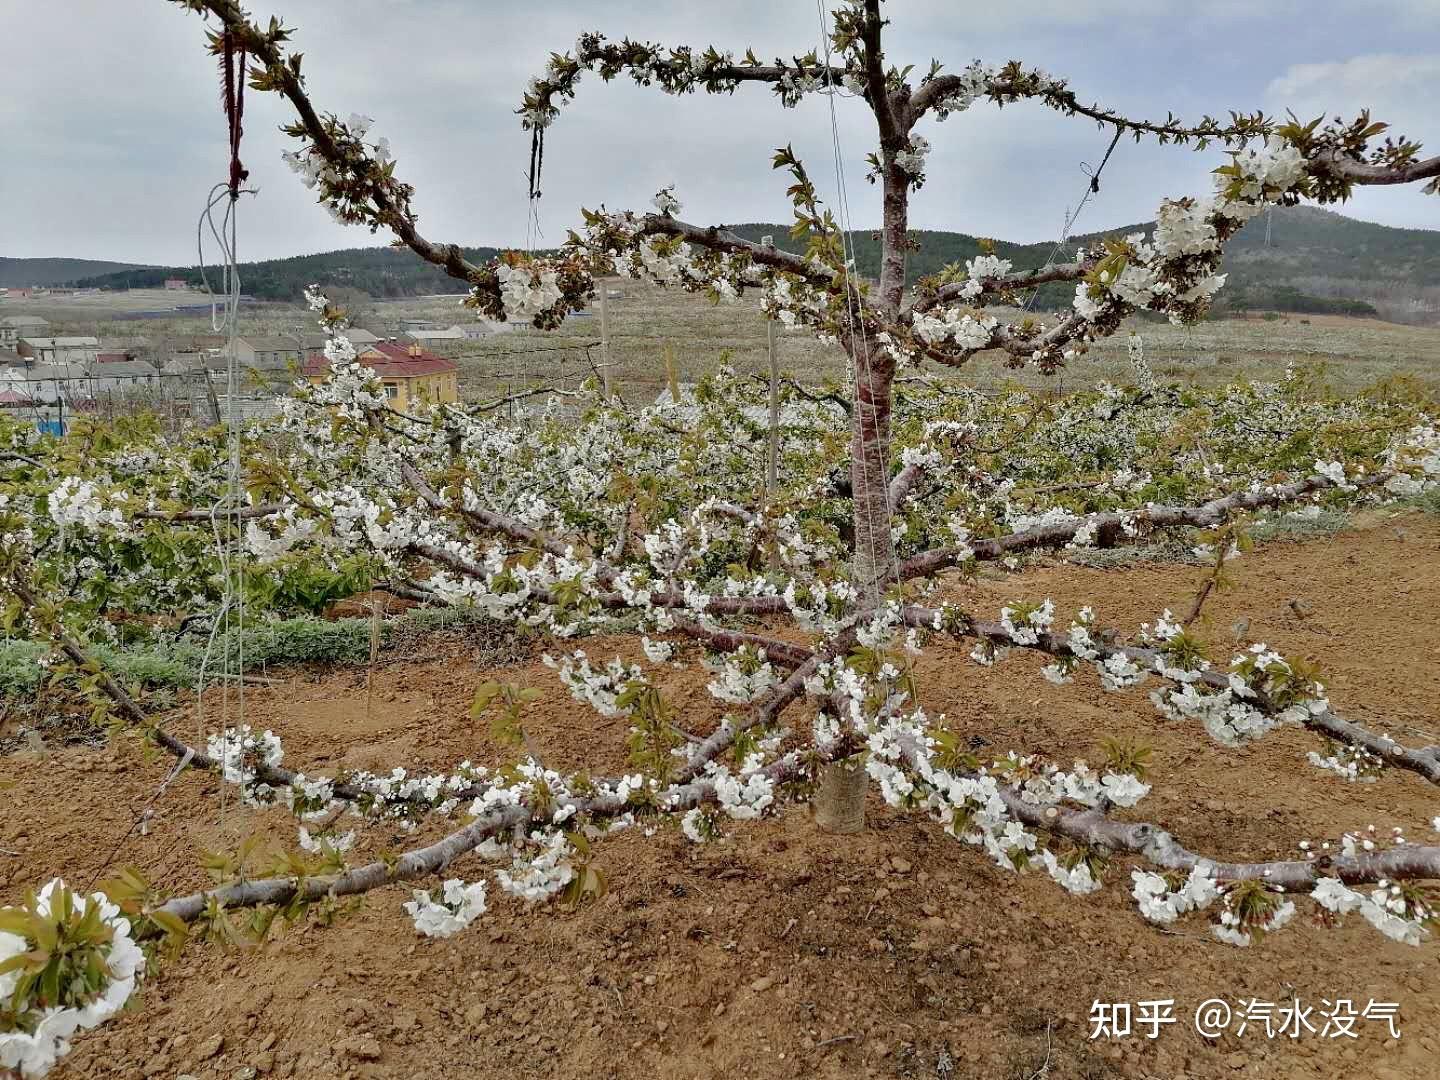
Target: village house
{"points": [[268, 353], [411, 376], [359, 337], [267, 359], [193, 343], [15, 399], [484, 328], [12, 327], [131, 348], [50, 383], [450, 333], [76, 382], [58, 350], [215, 367]]}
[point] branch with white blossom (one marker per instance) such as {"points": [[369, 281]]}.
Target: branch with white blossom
{"points": [[1124, 665], [1109, 527], [946, 94]]}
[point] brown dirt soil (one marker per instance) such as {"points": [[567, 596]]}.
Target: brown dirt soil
{"points": [[782, 952]]}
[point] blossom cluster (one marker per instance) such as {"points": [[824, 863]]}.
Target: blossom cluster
{"points": [[459, 905], [40, 1036]]}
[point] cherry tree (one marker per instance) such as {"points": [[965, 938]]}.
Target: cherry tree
{"points": [[809, 607], [943, 319]]}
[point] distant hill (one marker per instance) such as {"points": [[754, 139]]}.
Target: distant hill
{"points": [[381, 272], [1311, 260], [19, 272]]}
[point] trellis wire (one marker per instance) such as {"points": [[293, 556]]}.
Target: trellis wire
{"points": [[1092, 187], [229, 544]]}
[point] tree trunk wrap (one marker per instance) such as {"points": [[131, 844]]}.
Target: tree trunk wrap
{"points": [[840, 798]]}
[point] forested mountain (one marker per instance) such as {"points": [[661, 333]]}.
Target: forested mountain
{"points": [[20, 272], [379, 271], [1300, 258], [1296, 259]]}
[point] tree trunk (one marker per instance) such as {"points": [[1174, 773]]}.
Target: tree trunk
{"points": [[874, 553], [840, 799]]}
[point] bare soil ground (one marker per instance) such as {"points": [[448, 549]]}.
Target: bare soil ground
{"points": [[783, 952]]}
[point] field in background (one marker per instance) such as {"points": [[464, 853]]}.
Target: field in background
{"points": [[647, 322]]}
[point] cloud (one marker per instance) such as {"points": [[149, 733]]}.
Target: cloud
{"points": [[1391, 85], [1399, 89]]}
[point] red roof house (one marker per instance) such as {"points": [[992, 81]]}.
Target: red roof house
{"points": [[409, 373]]}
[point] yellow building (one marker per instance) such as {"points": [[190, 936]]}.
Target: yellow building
{"points": [[411, 376]]}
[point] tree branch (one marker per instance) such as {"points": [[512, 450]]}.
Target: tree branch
{"points": [[1109, 526], [891, 135], [185, 516], [1424, 762], [1150, 841], [786, 653], [1013, 83], [251, 39], [434, 858], [719, 238], [816, 397], [902, 483], [999, 286], [1357, 172]]}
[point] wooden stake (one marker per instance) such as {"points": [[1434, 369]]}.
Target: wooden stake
{"points": [[604, 338], [672, 373], [772, 445]]}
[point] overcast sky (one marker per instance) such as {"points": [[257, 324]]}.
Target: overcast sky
{"points": [[111, 132]]}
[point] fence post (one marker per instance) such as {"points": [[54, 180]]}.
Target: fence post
{"points": [[772, 447]]}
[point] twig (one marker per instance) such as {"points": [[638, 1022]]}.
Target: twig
{"points": [[249, 680], [1044, 1069], [500, 403], [836, 1039], [530, 748], [142, 817], [822, 397], [1216, 577]]}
